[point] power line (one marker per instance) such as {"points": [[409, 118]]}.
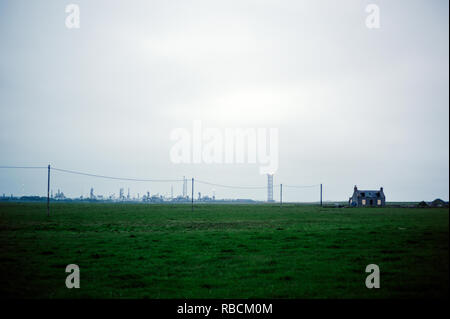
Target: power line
{"points": [[301, 186], [269, 187], [153, 180], [115, 178], [230, 186], [25, 167]]}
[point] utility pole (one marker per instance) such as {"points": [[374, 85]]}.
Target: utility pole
{"points": [[48, 191], [192, 198], [320, 195], [281, 195]]}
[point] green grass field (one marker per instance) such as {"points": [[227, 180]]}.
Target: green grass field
{"points": [[222, 251]]}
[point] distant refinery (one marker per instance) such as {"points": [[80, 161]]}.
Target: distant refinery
{"points": [[147, 197]]}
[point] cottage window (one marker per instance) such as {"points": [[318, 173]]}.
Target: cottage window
{"points": [[364, 202], [379, 202]]}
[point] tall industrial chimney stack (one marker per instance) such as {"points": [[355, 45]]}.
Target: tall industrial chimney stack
{"points": [[270, 187]]}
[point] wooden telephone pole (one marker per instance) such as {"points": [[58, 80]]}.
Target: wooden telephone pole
{"points": [[320, 195], [281, 195], [192, 199]]}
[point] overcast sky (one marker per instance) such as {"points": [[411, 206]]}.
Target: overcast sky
{"points": [[353, 105]]}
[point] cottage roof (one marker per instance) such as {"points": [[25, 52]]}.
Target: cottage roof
{"points": [[369, 193]]}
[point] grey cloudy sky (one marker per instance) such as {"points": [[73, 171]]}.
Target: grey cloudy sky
{"points": [[353, 105]]}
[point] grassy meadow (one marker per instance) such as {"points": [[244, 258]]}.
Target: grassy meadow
{"points": [[222, 251]]}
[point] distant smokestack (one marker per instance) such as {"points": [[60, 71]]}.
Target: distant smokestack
{"points": [[270, 187]]}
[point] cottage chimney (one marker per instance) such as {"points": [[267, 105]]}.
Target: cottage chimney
{"points": [[355, 188], [381, 189]]}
